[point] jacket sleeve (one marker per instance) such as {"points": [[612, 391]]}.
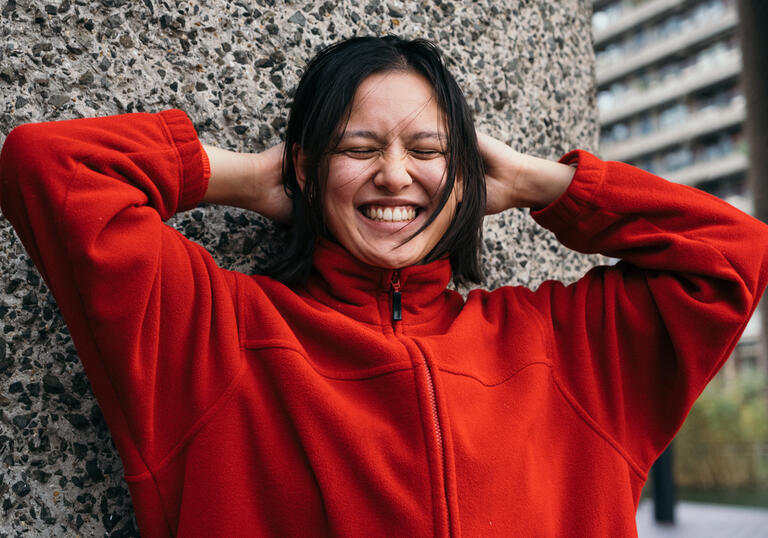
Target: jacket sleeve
{"points": [[151, 315], [636, 343]]}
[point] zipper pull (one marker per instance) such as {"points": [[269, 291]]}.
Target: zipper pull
{"points": [[397, 311]]}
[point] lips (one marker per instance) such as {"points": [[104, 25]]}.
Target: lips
{"points": [[380, 213]]}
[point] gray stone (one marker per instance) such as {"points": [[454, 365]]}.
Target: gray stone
{"points": [[37, 48], [56, 101], [21, 488], [241, 56], [52, 384], [396, 11], [7, 74], [298, 18], [86, 78]]}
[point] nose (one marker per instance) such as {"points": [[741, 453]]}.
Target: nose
{"points": [[393, 174]]}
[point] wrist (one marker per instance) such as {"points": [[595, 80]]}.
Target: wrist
{"points": [[232, 177], [540, 182]]}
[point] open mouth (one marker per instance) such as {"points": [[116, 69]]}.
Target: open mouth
{"points": [[390, 213]]}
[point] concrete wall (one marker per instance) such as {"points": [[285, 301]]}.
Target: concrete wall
{"points": [[526, 67]]}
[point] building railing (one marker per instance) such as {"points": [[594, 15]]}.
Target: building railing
{"points": [[635, 17], [729, 165], [698, 124], [697, 77], [614, 68]]}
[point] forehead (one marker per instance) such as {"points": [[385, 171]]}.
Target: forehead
{"points": [[395, 102]]}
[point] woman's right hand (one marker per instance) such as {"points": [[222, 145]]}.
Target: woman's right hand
{"points": [[252, 181]]}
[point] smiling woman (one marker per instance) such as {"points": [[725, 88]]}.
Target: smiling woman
{"points": [[383, 114], [385, 178], [351, 393]]}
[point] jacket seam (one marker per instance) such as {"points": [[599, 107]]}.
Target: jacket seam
{"points": [[206, 415], [386, 369], [99, 354], [199, 424], [585, 416], [590, 422], [506, 378]]}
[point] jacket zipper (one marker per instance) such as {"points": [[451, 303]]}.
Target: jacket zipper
{"points": [[397, 315], [438, 435], [397, 308]]}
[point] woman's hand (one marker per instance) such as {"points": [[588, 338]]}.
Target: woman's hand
{"points": [[249, 180], [513, 179]]}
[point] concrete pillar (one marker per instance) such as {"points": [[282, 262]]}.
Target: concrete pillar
{"points": [[526, 67]]}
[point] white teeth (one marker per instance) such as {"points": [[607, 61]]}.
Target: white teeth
{"points": [[391, 214]]}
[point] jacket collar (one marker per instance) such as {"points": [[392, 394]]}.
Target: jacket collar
{"points": [[364, 292]]}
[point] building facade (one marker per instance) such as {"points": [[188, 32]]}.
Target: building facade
{"points": [[670, 102]]}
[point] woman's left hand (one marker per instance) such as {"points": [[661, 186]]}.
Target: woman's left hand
{"points": [[514, 179], [503, 167]]}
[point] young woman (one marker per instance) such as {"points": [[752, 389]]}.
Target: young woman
{"points": [[349, 393]]}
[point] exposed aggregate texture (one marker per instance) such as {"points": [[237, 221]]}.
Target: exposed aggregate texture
{"points": [[526, 67]]}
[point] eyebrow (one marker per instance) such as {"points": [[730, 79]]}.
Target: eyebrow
{"points": [[373, 136]]}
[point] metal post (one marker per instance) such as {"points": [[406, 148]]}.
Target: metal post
{"points": [[664, 488]]}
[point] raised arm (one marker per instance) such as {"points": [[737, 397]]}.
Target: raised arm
{"points": [[636, 343], [151, 315]]}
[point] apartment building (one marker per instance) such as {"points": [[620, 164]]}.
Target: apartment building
{"points": [[670, 102]]}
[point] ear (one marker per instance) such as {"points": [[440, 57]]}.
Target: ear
{"points": [[458, 189], [299, 160]]}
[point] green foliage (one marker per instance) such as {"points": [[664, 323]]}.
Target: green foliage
{"points": [[724, 441]]}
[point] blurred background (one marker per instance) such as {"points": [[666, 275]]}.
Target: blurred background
{"points": [[681, 93]]}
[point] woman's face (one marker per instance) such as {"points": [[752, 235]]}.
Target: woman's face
{"points": [[386, 175]]}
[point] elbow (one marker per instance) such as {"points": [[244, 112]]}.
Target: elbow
{"points": [[21, 152], [24, 147], [33, 162]]}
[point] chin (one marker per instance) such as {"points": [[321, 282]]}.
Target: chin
{"points": [[389, 262], [386, 261]]}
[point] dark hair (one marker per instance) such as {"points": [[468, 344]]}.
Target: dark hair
{"points": [[321, 108]]}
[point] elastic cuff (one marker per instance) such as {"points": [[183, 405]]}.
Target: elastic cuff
{"points": [[206, 163], [579, 195], [195, 166]]}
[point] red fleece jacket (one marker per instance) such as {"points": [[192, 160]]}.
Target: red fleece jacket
{"points": [[241, 407]]}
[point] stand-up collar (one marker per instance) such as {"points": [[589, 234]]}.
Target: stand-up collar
{"points": [[364, 292]]}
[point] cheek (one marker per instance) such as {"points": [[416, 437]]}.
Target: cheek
{"points": [[432, 175], [346, 176]]}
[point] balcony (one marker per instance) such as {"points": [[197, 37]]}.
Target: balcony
{"points": [[696, 125], [611, 69], [730, 165], [691, 80], [635, 17]]}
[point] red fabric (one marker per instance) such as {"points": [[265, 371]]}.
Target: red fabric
{"points": [[241, 407]]}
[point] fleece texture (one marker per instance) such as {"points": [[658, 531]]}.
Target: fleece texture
{"points": [[242, 407]]}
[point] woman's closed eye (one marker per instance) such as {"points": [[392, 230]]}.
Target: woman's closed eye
{"points": [[369, 152], [361, 153], [426, 153]]}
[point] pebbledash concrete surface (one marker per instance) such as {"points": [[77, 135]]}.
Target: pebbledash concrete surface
{"points": [[525, 66]]}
